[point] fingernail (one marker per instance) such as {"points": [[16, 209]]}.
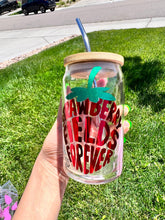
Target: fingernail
{"points": [[125, 140], [66, 85], [130, 123], [127, 106]]}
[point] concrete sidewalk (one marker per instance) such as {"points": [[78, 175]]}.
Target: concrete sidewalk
{"points": [[83, 3], [19, 42]]}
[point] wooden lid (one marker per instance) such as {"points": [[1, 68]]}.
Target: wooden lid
{"points": [[94, 56]]}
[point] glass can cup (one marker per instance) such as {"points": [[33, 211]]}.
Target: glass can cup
{"points": [[93, 101]]}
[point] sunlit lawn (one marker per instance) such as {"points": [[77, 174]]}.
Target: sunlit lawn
{"points": [[29, 99]]}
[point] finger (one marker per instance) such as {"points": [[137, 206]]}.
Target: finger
{"points": [[68, 90], [126, 109], [102, 82], [126, 126]]}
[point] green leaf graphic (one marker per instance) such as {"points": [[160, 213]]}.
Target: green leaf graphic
{"points": [[93, 94]]}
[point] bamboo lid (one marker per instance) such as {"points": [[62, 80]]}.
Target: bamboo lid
{"points": [[94, 56]]}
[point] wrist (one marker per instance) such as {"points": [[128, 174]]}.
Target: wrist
{"points": [[44, 192], [47, 169]]}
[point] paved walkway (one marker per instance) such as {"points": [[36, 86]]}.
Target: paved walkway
{"points": [[19, 42]]}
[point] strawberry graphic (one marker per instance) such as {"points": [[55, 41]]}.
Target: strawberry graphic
{"points": [[93, 94]]}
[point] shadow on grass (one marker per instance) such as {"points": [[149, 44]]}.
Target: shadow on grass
{"points": [[143, 78]]}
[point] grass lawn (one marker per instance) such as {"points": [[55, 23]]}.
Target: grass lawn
{"points": [[30, 91]]}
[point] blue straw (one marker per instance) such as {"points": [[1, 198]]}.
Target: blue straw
{"points": [[85, 39], [84, 35]]}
